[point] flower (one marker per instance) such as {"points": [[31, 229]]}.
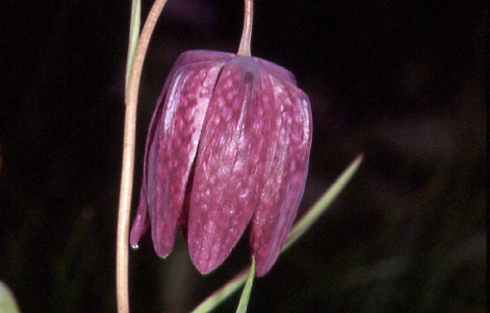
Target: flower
{"points": [[228, 145]]}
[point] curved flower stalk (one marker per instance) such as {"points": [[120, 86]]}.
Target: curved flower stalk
{"points": [[228, 145], [136, 56]]}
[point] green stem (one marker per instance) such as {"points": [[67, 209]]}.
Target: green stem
{"points": [[134, 32], [247, 290]]}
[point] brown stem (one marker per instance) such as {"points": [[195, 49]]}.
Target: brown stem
{"points": [[244, 48], [128, 158]]}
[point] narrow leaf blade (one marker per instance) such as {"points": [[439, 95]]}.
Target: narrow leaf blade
{"points": [[247, 290], [134, 31], [323, 203], [220, 295]]}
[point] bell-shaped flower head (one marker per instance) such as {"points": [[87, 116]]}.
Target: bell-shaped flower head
{"points": [[227, 147]]}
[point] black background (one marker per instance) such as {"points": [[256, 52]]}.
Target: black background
{"points": [[401, 81]]}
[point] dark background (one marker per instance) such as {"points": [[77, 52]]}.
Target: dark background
{"points": [[401, 81]]}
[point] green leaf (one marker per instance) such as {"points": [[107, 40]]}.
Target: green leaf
{"points": [[7, 300], [219, 296], [322, 204], [247, 290], [134, 31]]}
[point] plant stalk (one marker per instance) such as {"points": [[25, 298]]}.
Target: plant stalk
{"points": [[244, 48], [129, 140]]}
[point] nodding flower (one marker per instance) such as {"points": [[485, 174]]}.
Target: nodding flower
{"points": [[228, 145]]}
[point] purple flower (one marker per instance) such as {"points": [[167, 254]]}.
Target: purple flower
{"points": [[228, 144]]}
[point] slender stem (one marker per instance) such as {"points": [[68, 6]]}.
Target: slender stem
{"points": [[247, 290], [128, 158], [244, 48], [134, 32]]}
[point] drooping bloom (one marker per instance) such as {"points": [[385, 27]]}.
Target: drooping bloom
{"points": [[228, 145]]}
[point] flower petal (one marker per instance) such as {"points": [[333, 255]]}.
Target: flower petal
{"points": [[287, 166], [172, 146], [141, 220], [279, 72], [225, 190]]}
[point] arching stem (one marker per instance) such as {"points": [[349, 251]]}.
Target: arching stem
{"points": [[244, 49], [128, 158]]}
